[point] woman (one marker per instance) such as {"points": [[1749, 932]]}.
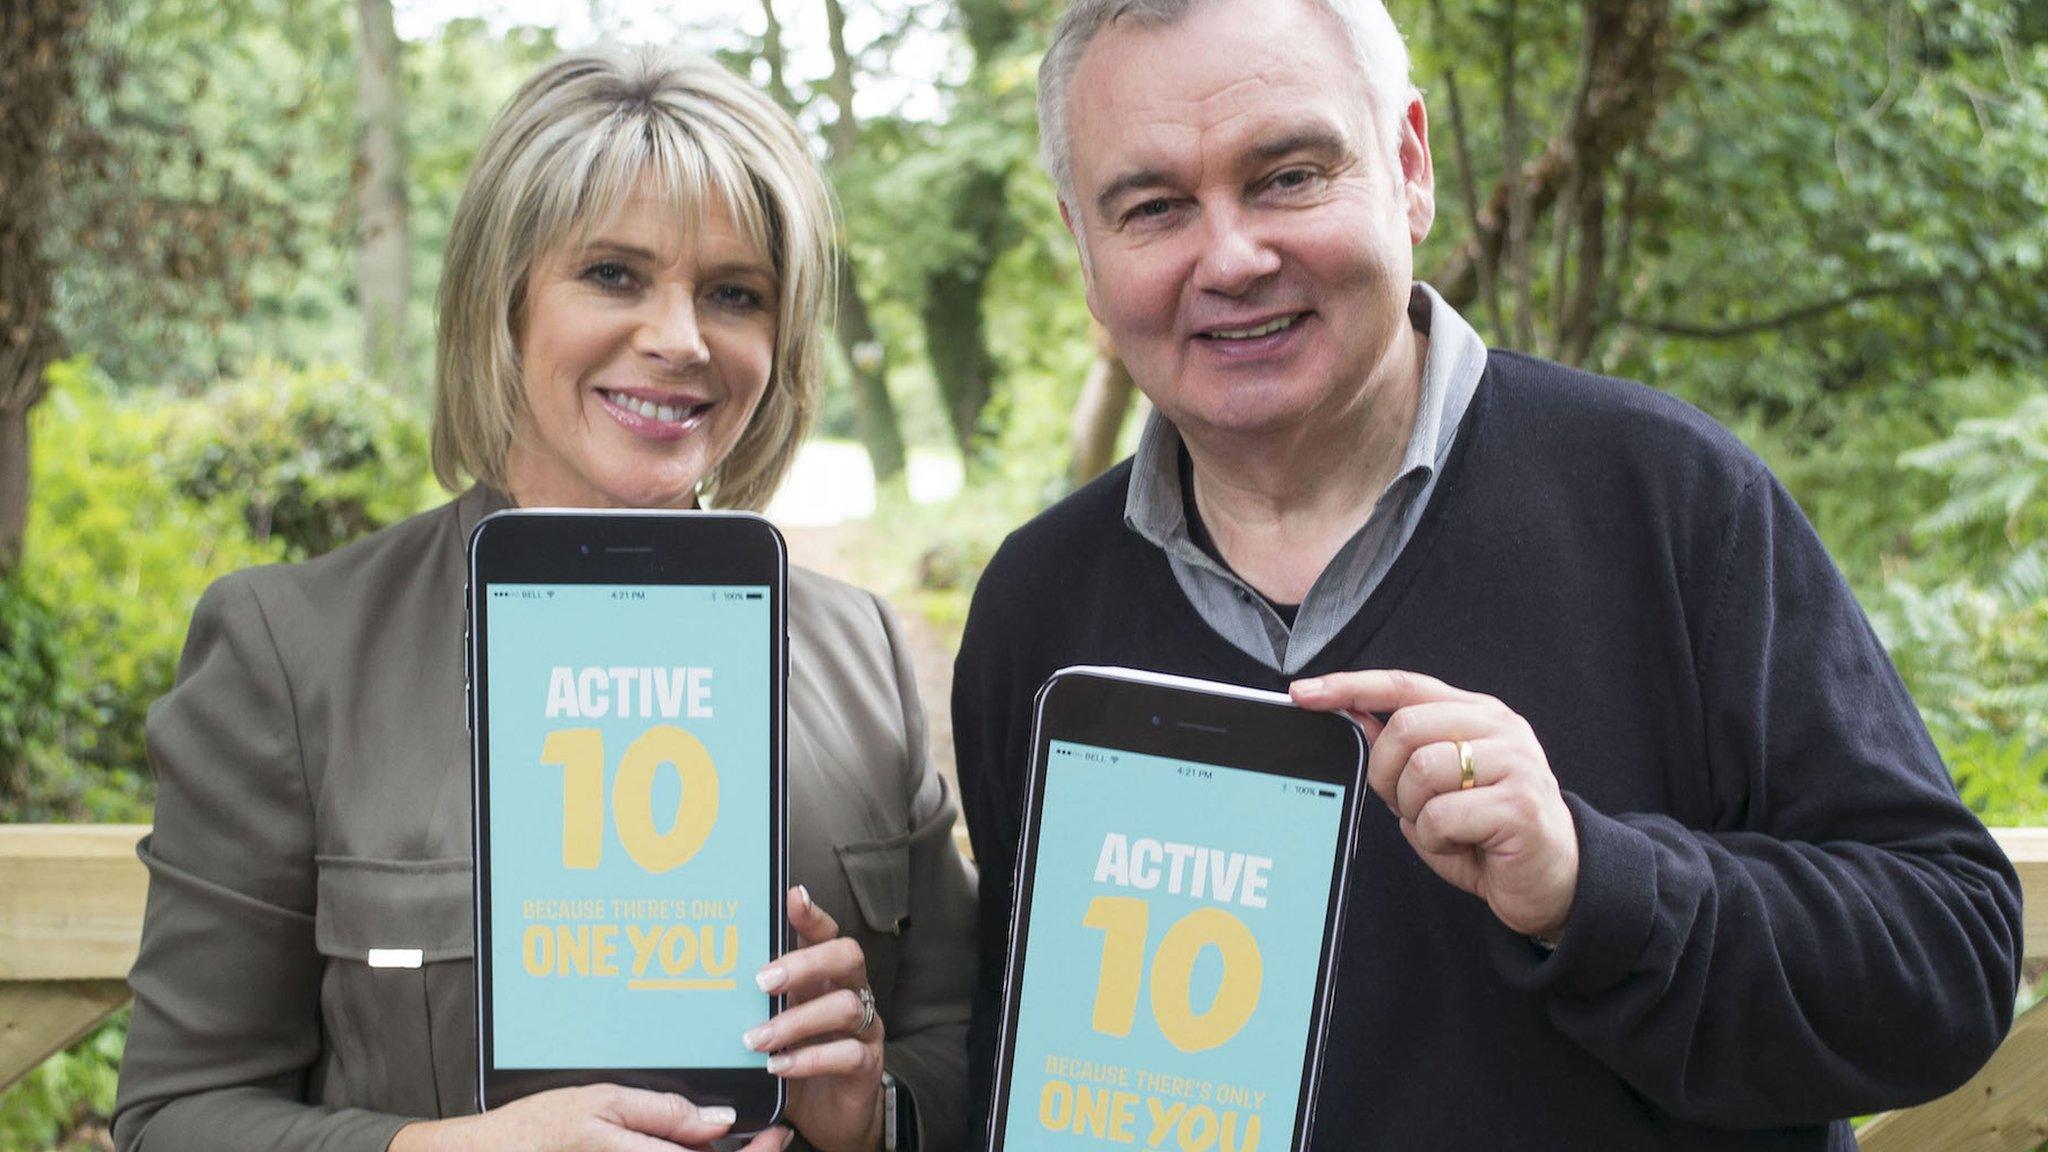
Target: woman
{"points": [[629, 318]]}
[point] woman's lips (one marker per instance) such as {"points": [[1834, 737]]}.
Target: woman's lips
{"points": [[646, 417]]}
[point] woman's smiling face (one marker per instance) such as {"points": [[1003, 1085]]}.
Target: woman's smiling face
{"points": [[643, 354]]}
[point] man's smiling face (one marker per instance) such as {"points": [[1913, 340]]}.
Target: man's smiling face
{"points": [[1247, 226]]}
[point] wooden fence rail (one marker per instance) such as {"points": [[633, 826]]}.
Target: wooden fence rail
{"points": [[71, 901]]}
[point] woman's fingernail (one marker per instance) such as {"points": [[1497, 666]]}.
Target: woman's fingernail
{"points": [[803, 896], [757, 1038], [1311, 685], [717, 1115], [771, 977], [778, 1064]]}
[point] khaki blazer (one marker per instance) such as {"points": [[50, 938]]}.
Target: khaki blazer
{"points": [[313, 803]]}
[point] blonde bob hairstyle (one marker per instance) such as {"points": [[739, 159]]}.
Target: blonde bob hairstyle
{"points": [[564, 158]]}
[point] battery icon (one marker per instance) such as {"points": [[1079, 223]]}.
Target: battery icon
{"points": [[753, 595], [1326, 791]]}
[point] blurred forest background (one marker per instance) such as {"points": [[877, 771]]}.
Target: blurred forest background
{"points": [[1823, 221]]}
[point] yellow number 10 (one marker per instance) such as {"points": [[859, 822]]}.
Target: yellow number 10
{"points": [[1123, 921], [580, 754]]}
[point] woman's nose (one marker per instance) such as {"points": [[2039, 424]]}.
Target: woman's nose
{"points": [[671, 333]]}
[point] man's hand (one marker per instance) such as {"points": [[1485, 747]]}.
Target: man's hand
{"points": [[1508, 838]]}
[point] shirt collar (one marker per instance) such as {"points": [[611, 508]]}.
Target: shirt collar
{"points": [[1450, 372]]}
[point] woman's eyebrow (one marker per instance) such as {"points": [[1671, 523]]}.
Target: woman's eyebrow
{"points": [[616, 248], [743, 268]]}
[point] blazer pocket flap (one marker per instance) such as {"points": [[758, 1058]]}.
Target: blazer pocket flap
{"points": [[878, 871], [394, 913]]}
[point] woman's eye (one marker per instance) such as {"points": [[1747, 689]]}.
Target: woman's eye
{"points": [[609, 274], [739, 297]]}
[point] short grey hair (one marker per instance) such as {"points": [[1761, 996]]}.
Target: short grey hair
{"points": [[1375, 42], [564, 157]]}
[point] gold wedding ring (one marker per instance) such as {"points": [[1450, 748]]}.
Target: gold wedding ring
{"points": [[1465, 777]]}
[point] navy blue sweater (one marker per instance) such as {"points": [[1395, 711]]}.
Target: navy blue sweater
{"points": [[1784, 914]]}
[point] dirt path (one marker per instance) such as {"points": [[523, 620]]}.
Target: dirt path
{"points": [[826, 550]]}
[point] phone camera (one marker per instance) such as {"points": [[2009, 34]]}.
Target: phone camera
{"points": [[1155, 721], [586, 549]]}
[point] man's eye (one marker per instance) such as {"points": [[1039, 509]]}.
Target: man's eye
{"points": [[1148, 210], [1293, 179], [609, 274]]}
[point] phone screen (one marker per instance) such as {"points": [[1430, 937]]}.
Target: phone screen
{"points": [[631, 895], [1176, 922]]}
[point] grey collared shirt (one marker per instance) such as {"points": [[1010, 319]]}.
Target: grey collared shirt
{"points": [[1155, 509]]}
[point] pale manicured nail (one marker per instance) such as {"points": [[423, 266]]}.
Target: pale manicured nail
{"points": [[718, 1115], [757, 1038], [771, 977], [803, 896], [778, 1064], [1311, 685]]}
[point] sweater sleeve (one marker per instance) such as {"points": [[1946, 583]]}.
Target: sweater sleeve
{"points": [[1846, 938], [227, 982], [989, 754]]}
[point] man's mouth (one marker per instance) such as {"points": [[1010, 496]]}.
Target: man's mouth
{"points": [[648, 409], [1278, 324]]}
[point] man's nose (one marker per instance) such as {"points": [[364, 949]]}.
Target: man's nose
{"points": [[670, 333], [1235, 255]]}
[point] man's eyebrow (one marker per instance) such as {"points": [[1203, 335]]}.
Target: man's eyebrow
{"points": [[1320, 139], [1118, 188]]}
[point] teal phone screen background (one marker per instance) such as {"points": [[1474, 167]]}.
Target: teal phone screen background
{"points": [[1073, 1086], [617, 965]]}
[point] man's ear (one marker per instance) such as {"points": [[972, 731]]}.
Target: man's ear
{"points": [[1418, 169], [1081, 248]]}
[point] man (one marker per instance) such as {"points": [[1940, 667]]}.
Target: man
{"points": [[1666, 857]]}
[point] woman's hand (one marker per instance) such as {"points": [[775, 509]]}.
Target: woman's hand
{"points": [[827, 1043], [596, 1118]]}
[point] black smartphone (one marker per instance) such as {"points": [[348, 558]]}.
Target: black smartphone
{"points": [[1178, 896], [626, 698]]}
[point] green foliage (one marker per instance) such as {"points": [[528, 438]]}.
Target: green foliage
{"points": [[140, 501], [1966, 618], [66, 1093], [314, 459], [202, 200]]}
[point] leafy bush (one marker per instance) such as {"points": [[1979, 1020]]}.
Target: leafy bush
{"points": [[141, 500], [1966, 617], [314, 459], [66, 1094]]}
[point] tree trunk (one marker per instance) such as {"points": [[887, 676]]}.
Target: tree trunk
{"points": [[383, 243], [1627, 79], [873, 409], [1099, 414], [955, 335], [869, 358], [773, 52], [39, 40]]}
